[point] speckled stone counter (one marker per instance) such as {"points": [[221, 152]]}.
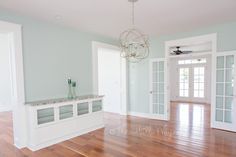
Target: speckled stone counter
{"points": [[60, 100]]}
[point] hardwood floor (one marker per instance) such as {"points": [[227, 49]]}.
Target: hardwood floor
{"points": [[187, 134]]}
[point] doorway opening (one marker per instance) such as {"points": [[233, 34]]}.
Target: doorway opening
{"points": [[191, 79], [189, 74], [110, 77]]}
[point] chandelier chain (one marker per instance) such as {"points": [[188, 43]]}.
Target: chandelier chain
{"points": [[133, 14]]}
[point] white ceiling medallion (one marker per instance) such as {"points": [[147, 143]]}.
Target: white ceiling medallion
{"points": [[134, 44]]}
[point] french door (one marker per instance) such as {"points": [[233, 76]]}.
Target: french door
{"points": [[192, 83], [223, 97], [158, 90]]}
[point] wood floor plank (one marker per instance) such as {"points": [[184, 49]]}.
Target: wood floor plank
{"points": [[187, 134]]}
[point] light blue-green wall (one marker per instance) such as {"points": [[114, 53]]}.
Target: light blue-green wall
{"points": [[53, 53], [139, 73]]}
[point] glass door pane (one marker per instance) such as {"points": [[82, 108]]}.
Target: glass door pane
{"points": [[224, 88], [158, 97], [199, 82], [184, 82]]}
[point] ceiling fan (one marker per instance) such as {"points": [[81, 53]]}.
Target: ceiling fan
{"points": [[178, 51]]}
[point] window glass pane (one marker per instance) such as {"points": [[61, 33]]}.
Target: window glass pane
{"points": [[181, 62], [183, 82], [229, 75], [201, 94], [228, 103], [201, 71], [188, 62], [154, 77], [161, 109], [192, 61], [219, 88], [219, 115], [220, 62], [154, 87], [161, 66], [228, 117], [230, 61], [154, 66], [161, 98], [199, 82], [155, 108], [229, 89], [201, 86], [161, 77], [185, 93], [154, 98], [220, 76], [219, 102], [161, 87]]}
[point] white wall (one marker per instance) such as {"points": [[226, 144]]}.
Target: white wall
{"points": [[5, 77], [109, 79], [174, 77]]}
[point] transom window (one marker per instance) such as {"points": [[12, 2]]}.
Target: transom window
{"points": [[192, 61]]}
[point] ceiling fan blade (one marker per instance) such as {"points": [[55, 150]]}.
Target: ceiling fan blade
{"points": [[186, 52]]}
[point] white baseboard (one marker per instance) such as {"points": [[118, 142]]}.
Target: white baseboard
{"points": [[5, 108], [64, 138], [147, 115]]}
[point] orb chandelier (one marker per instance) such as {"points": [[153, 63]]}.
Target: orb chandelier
{"points": [[134, 44]]}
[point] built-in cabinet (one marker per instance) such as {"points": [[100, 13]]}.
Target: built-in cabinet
{"points": [[52, 123]]}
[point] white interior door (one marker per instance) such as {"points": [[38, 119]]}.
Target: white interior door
{"points": [[109, 79], [223, 97], [158, 105]]}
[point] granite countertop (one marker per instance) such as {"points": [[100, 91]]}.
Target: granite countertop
{"points": [[59, 100]]}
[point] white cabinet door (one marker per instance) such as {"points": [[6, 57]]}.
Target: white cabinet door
{"points": [[223, 96], [158, 103]]}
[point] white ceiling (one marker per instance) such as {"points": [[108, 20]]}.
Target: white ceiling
{"points": [[111, 17]]}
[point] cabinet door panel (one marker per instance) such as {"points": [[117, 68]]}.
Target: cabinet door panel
{"points": [[65, 111], [45, 115], [82, 108]]}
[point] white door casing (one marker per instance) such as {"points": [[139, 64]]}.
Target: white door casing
{"points": [[17, 81]]}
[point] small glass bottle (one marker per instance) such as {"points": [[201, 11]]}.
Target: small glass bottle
{"points": [[74, 89], [70, 95]]}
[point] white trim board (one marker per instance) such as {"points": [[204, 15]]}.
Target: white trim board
{"points": [[5, 108], [146, 115], [18, 92], [64, 138]]}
